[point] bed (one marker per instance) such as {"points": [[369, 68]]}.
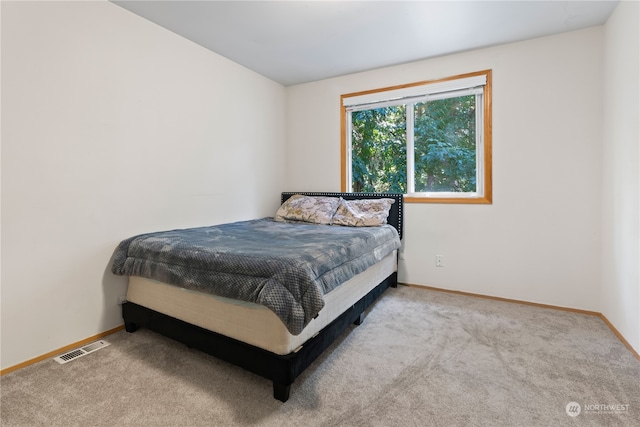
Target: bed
{"points": [[272, 327]]}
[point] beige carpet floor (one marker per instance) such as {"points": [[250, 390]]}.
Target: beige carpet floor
{"points": [[421, 358]]}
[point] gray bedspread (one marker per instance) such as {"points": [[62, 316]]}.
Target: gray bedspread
{"points": [[285, 267]]}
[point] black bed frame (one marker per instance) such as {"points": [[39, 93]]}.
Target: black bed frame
{"points": [[281, 369]]}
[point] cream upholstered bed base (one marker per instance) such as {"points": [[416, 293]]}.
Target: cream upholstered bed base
{"points": [[248, 322]]}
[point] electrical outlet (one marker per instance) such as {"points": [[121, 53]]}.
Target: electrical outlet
{"points": [[439, 261]]}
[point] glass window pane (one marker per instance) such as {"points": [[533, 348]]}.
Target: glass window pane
{"points": [[445, 145], [379, 150]]}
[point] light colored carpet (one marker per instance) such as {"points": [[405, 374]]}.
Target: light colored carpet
{"points": [[421, 358]]}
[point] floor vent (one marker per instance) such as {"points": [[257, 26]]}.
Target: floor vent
{"points": [[79, 352]]}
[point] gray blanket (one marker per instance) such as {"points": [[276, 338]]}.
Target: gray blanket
{"points": [[285, 267]]}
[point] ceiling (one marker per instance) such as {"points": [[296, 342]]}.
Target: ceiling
{"points": [[293, 42]]}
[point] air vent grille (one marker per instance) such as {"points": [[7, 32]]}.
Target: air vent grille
{"points": [[79, 352]]}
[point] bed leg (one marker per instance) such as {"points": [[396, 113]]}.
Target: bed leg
{"points": [[359, 320], [281, 391], [130, 327]]}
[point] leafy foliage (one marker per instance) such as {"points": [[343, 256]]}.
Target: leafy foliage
{"points": [[379, 150], [444, 147]]}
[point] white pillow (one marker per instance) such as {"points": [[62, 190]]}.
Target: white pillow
{"points": [[313, 209], [362, 212]]}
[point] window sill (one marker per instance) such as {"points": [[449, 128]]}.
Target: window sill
{"points": [[453, 200]]}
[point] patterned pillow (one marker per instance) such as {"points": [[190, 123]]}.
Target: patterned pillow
{"points": [[313, 209], [362, 212]]}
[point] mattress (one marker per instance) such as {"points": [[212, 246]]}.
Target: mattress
{"points": [[248, 322]]}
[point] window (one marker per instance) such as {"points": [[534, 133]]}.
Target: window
{"points": [[429, 140]]}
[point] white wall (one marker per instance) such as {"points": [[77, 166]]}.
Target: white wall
{"points": [[540, 239], [621, 172], [113, 126]]}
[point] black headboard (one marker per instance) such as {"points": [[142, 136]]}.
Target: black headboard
{"points": [[395, 213]]}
